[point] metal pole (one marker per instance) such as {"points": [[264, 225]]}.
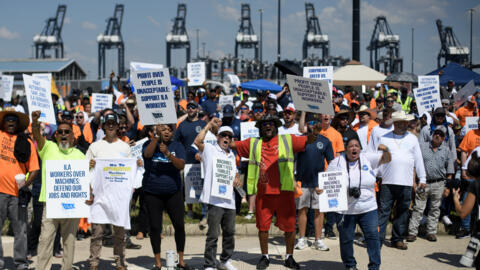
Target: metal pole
{"points": [[413, 29], [261, 34], [198, 50], [471, 35], [203, 46], [278, 38]]}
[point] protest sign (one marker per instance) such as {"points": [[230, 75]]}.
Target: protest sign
{"points": [[39, 98], [225, 100], [424, 81], [334, 195], [471, 122], [311, 95], [427, 99], [112, 184], [67, 188], [136, 150], [101, 102], [196, 73], [320, 73], [154, 97], [234, 80], [7, 87], [139, 66], [193, 182], [464, 93], [223, 175], [248, 130]]}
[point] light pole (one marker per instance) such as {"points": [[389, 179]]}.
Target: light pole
{"points": [[413, 29], [278, 40], [203, 46], [261, 34], [198, 49], [471, 35]]}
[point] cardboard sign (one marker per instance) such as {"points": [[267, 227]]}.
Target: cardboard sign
{"points": [[7, 87], [101, 102], [311, 95], [464, 93], [424, 81], [196, 73], [427, 99], [67, 187], [334, 195], [234, 80], [223, 176], [471, 122], [154, 97], [136, 150], [248, 130], [225, 100], [320, 73], [39, 98], [193, 182]]}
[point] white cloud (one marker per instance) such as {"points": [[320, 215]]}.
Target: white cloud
{"points": [[89, 25], [67, 20], [7, 34], [229, 11], [154, 22]]}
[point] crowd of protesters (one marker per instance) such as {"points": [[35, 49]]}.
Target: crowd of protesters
{"points": [[418, 167]]}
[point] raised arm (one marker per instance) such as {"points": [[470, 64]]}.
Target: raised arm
{"points": [[302, 128], [199, 140], [37, 135]]}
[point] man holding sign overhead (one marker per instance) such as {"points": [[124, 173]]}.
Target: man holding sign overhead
{"points": [[220, 178]]}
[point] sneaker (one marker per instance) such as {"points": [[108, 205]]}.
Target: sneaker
{"points": [[130, 245], [330, 234], [446, 220], [58, 254], [291, 263], [209, 268], [203, 223], [462, 233], [301, 243], [227, 266], [249, 215], [263, 263], [320, 245]]}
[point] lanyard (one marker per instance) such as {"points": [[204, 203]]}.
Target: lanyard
{"points": [[359, 171]]}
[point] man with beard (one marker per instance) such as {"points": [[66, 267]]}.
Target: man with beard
{"points": [[290, 126], [210, 106], [270, 176], [63, 149], [13, 163]]}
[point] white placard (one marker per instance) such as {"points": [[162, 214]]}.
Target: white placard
{"points": [[154, 96], [45, 76], [196, 73], [471, 122], [67, 188], [193, 182], [101, 102], [311, 95], [223, 175], [320, 73], [139, 66], [39, 98], [7, 87], [225, 100], [428, 80], [136, 150], [462, 95], [234, 80], [334, 195], [427, 99], [248, 130]]}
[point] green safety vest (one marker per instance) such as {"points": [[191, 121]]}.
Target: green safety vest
{"points": [[406, 104], [285, 163]]}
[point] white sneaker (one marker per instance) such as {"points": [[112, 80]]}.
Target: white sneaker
{"points": [[209, 268], [227, 266], [446, 220], [249, 215], [320, 245], [301, 243]]}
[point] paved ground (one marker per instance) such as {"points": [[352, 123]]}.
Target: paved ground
{"points": [[422, 254]]}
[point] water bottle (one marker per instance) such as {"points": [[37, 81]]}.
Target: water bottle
{"points": [[171, 259]]}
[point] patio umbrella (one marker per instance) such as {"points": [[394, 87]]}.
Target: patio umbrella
{"points": [[289, 67], [402, 77]]}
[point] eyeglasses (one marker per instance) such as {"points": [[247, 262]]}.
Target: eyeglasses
{"points": [[257, 110], [63, 131], [79, 116], [312, 123], [191, 106], [224, 134], [269, 123], [389, 100]]}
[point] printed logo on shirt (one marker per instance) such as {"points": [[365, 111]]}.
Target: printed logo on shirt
{"points": [[160, 157], [320, 145], [365, 167], [198, 129]]}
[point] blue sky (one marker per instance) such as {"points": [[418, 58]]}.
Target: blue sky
{"points": [[146, 23]]}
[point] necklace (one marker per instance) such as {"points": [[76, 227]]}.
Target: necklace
{"points": [[399, 144]]}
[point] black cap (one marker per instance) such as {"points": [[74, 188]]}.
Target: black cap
{"points": [[191, 102], [111, 117], [257, 105], [228, 111], [439, 110], [67, 114]]}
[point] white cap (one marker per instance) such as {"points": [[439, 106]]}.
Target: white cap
{"points": [[201, 90], [378, 85], [225, 129], [340, 92], [272, 96], [290, 107]]}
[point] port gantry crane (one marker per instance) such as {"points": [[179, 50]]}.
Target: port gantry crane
{"points": [[383, 37], [50, 38], [314, 37], [178, 37], [112, 39], [246, 38], [451, 50]]}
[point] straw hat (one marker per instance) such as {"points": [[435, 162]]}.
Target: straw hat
{"points": [[371, 112], [23, 120], [402, 116], [351, 115]]}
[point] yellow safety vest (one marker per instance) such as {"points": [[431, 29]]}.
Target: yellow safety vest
{"points": [[406, 105], [285, 163]]}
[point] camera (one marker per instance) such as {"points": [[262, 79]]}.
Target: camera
{"points": [[354, 192]]}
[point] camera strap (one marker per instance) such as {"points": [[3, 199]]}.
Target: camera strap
{"points": [[359, 171]]}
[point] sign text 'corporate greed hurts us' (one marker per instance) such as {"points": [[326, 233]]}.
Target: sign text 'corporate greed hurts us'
{"points": [[154, 97]]}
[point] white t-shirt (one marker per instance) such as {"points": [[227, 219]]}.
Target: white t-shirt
{"points": [[291, 130], [19, 108], [476, 150], [406, 155], [362, 133], [376, 134], [209, 153]]}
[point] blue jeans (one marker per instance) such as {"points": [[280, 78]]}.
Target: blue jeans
{"points": [[331, 219], [369, 224], [389, 194], [465, 223]]}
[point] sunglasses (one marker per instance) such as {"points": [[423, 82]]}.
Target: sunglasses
{"points": [[243, 109], [11, 118], [362, 113], [224, 134], [67, 118], [266, 124], [79, 116], [343, 118], [63, 131], [123, 128], [257, 110], [389, 101], [312, 123], [191, 107]]}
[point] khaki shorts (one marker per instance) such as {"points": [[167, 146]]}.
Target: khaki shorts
{"points": [[308, 199]]}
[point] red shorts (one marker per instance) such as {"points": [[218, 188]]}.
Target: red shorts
{"points": [[283, 205]]}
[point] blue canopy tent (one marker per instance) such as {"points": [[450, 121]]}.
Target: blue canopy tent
{"points": [[456, 73], [261, 85]]}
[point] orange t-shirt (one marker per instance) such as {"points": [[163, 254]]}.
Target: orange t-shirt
{"points": [[269, 177], [76, 131], [11, 166], [87, 133], [125, 139], [373, 104], [464, 112], [335, 138], [470, 141], [183, 103], [348, 97]]}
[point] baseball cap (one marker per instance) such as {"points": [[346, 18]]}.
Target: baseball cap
{"points": [[228, 111], [225, 129], [290, 107], [245, 92], [201, 90], [257, 105], [191, 102], [67, 115], [471, 99], [440, 128], [110, 117], [439, 110], [340, 93]]}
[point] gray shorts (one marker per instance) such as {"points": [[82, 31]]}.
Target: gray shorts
{"points": [[308, 199]]}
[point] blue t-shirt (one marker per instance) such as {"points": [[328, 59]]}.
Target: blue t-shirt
{"points": [[209, 106], [235, 125], [161, 177], [186, 133], [312, 161]]}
